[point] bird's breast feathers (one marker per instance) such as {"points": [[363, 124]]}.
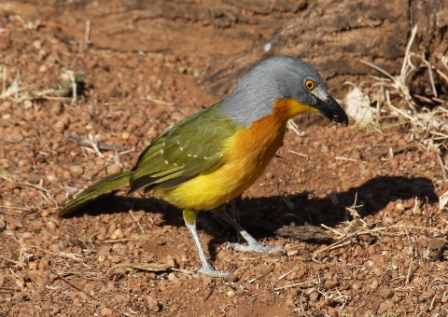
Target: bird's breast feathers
{"points": [[246, 155]]}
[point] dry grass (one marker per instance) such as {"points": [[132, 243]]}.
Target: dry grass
{"points": [[394, 104], [21, 93]]}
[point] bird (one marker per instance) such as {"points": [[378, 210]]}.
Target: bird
{"points": [[205, 160]]}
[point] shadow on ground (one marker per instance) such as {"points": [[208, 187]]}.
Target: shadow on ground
{"points": [[293, 216]]}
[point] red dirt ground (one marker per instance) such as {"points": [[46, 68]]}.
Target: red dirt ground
{"points": [[386, 256]]}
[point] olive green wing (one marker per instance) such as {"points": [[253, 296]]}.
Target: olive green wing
{"points": [[105, 185], [191, 147]]}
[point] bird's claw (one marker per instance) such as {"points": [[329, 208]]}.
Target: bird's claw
{"points": [[210, 271]]}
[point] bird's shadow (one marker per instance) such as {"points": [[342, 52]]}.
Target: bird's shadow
{"points": [[263, 216]]}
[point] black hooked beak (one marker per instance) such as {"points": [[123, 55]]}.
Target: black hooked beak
{"points": [[332, 110]]}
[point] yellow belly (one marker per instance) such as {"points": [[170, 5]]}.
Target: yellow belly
{"points": [[247, 155]]}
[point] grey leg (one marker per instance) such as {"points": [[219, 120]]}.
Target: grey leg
{"points": [[207, 268], [252, 244]]}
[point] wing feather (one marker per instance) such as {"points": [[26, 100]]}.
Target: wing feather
{"points": [[193, 146]]}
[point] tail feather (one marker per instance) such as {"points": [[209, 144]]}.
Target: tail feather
{"points": [[103, 186]]}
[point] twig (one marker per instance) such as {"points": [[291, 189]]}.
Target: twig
{"points": [[3, 68], [341, 158], [158, 101], [431, 78], [74, 286], [87, 33], [378, 69], [262, 275], [439, 159], [441, 74], [408, 276], [406, 55], [404, 114], [135, 219], [18, 263], [292, 285], [443, 200], [343, 238], [299, 154], [399, 81], [74, 87], [100, 145], [281, 277], [212, 288]]}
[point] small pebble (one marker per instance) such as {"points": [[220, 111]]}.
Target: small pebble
{"points": [[133, 140], [76, 170], [172, 277], [54, 248], [34, 178], [136, 121], [56, 107], [112, 227], [43, 265], [32, 266], [101, 258], [37, 44], [125, 135], [43, 68], [231, 278], [51, 177], [356, 286], [152, 304], [121, 251], [118, 233], [399, 206], [386, 293], [51, 225], [106, 311], [231, 293], [134, 237], [2, 223], [59, 126], [115, 259], [66, 175], [13, 226], [313, 296], [27, 235], [377, 271], [374, 284], [113, 169], [401, 142], [170, 261], [35, 226]]}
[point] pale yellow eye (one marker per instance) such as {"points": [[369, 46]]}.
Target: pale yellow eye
{"points": [[309, 84]]}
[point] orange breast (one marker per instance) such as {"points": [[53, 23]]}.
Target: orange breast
{"points": [[247, 155]]}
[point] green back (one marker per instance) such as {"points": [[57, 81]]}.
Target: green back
{"points": [[191, 147]]}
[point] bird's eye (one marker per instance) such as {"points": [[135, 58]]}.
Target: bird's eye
{"points": [[309, 84]]}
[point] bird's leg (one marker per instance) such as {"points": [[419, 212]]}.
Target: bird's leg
{"points": [[252, 244], [207, 268]]}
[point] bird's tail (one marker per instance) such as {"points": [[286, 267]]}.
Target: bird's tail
{"points": [[107, 184]]}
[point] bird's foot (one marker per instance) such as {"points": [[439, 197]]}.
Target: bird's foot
{"points": [[207, 269], [252, 244], [255, 247]]}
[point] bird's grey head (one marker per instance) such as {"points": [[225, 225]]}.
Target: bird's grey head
{"points": [[279, 77]]}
